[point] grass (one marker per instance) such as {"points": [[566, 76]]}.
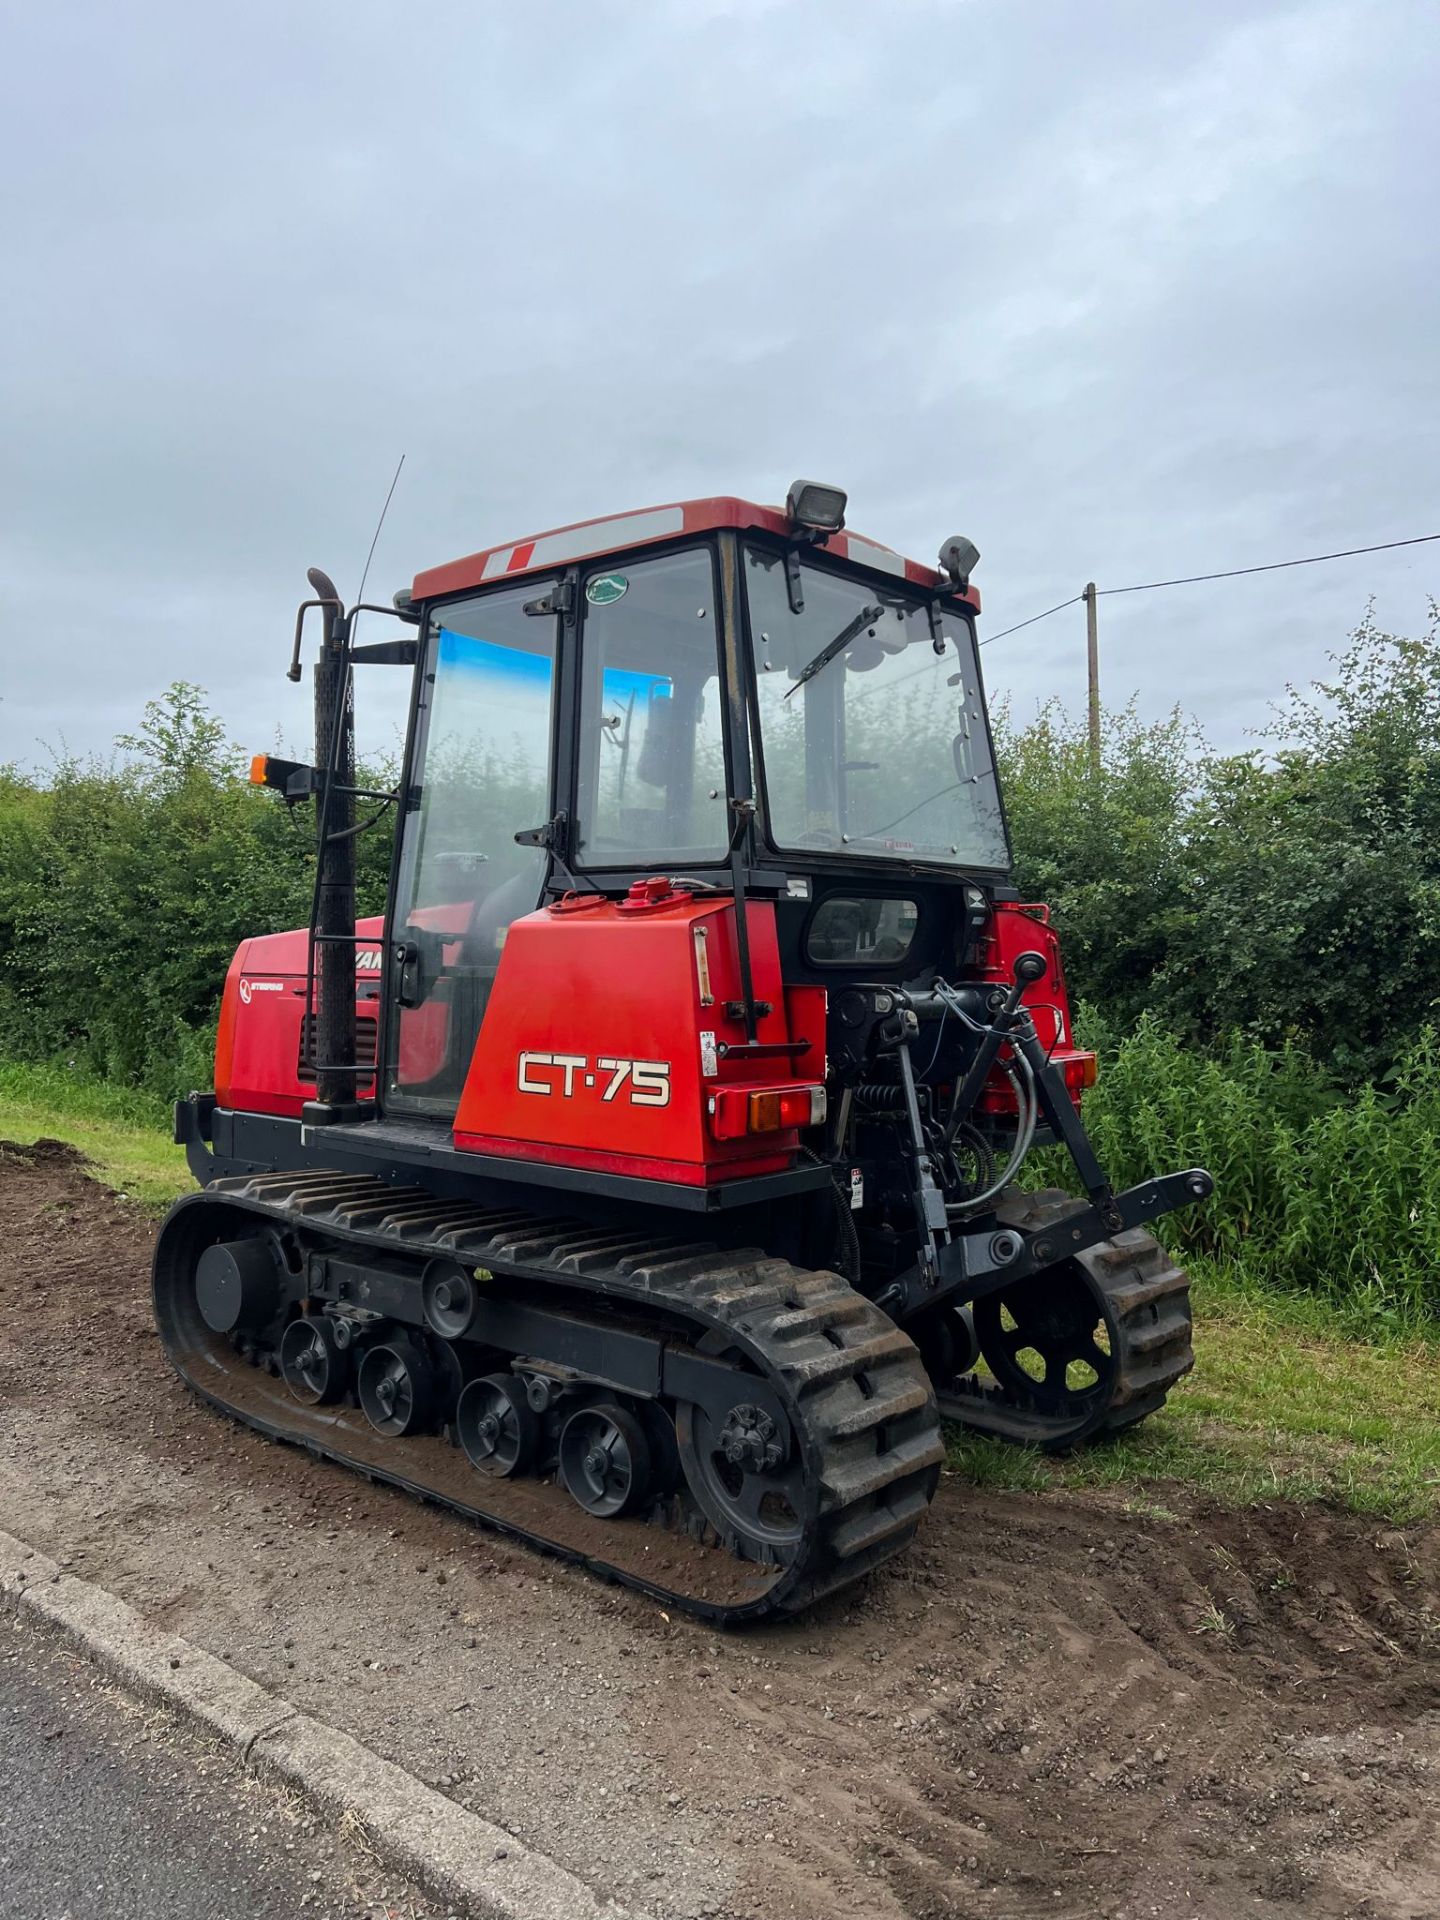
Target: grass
{"points": [[1289, 1399], [125, 1134], [1283, 1404]]}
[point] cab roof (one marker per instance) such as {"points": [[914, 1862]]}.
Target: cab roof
{"points": [[615, 533]]}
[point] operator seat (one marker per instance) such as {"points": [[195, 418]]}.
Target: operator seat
{"points": [[492, 914]]}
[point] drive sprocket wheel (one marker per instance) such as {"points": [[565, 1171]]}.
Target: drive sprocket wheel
{"points": [[1084, 1347], [1048, 1339], [745, 1474]]}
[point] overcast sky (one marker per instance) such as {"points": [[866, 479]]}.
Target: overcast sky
{"points": [[1120, 291]]}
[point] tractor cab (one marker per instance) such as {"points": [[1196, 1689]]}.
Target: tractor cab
{"points": [[750, 700]]}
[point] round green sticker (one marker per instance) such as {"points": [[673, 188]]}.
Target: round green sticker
{"points": [[606, 587]]}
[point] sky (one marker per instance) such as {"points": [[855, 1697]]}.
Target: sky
{"points": [[1119, 291]]}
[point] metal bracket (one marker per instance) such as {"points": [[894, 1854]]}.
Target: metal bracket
{"points": [[553, 835], [1009, 1249], [560, 599]]}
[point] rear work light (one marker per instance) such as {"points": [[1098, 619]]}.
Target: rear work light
{"points": [[812, 506]]}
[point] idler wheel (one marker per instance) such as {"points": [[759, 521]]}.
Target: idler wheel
{"points": [[315, 1366], [237, 1285], [398, 1387], [496, 1425], [605, 1460], [947, 1343]]}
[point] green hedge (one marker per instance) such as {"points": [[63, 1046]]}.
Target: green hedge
{"points": [[1258, 936], [1319, 1188]]}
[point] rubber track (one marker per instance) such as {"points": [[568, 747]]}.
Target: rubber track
{"points": [[1145, 1299], [854, 1385]]}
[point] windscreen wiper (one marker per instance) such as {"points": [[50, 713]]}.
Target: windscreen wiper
{"points": [[866, 617]]}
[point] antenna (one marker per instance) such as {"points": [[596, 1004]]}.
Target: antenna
{"points": [[378, 525]]}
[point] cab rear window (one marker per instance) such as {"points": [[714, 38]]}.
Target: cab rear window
{"points": [[850, 931]]}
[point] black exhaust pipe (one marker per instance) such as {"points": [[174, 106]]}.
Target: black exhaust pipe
{"points": [[332, 954]]}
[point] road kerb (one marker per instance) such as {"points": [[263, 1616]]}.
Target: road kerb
{"points": [[453, 1853]]}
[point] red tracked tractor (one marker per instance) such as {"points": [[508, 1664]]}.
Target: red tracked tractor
{"points": [[645, 1182]]}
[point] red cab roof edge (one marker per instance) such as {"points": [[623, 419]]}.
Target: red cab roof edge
{"points": [[618, 532]]}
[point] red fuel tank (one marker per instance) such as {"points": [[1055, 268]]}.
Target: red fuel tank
{"points": [[614, 1040]]}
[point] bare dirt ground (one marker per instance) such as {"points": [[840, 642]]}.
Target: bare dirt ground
{"points": [[1051, 1705]]}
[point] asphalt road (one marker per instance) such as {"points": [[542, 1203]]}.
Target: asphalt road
{"points": [[110, 1810]]}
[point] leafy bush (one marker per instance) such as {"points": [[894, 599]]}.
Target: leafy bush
{"points": [[1108, 855], [1318, 1188], [1312, 893], [1287, 893], [125, 889]]}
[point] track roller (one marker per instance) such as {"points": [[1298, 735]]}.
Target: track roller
{"points": [[313, 1364], [449, 1296], [498, 1428], [398, 1387], [605, 1459]]}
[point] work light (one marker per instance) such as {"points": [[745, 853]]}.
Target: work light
{"points": [[959, 558], [815, 507]]}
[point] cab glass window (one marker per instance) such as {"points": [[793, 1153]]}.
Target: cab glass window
{"points": [[480, 775], [872, 721], [652, 744], [848, 932]]}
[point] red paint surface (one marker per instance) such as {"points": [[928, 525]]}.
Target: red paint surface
{"points": [[1014, 930], [700, 516], [619, 982], [257, 1048]]}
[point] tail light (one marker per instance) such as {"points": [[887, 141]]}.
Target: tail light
{"points": [[1079, 1070], [737, 1111], [791, 1107]]}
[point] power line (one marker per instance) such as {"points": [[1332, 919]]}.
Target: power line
{"points": [[1230, 573], [990, 638], [1149, 586], [1274, 566]]}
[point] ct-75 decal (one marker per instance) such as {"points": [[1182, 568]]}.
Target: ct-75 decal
{"points": [[645, 1083]]}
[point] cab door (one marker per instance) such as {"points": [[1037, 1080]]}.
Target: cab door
{"points": [[481, 770]]}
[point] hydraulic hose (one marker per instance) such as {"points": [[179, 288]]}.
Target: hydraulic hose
{"points": [[1027, 1102]]}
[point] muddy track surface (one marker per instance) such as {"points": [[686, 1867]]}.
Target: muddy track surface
{"points": [[1048, 1705]]}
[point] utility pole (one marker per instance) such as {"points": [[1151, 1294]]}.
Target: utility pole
{"points": [[1092, 648]]}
